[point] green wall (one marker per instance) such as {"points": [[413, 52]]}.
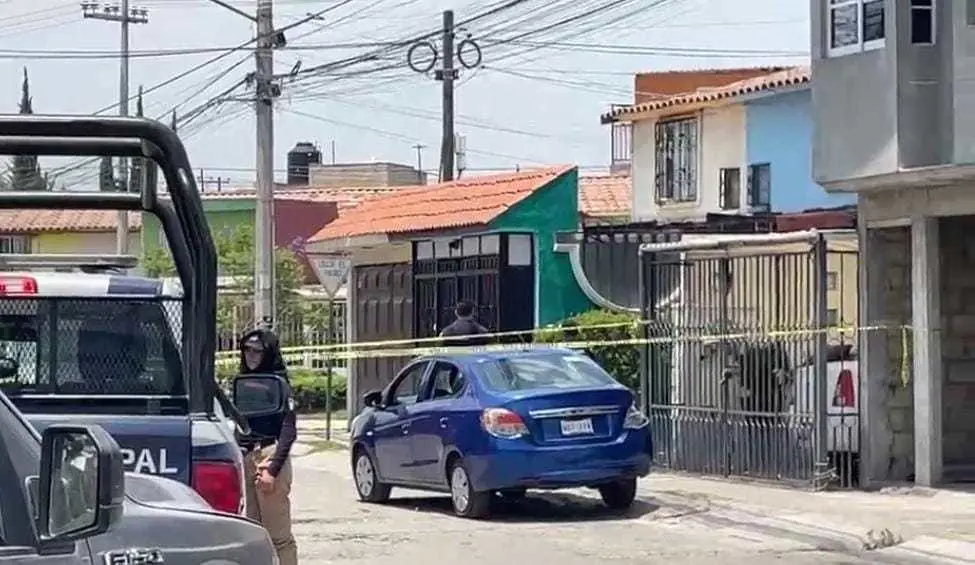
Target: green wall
{"points": [[551, 209], [221, 214]]}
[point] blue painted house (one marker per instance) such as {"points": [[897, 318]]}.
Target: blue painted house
{"points": [[701, 145], [778, 131]]}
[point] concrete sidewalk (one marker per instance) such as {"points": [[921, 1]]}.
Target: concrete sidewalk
{"points": [[913, 522], [311, 427]]}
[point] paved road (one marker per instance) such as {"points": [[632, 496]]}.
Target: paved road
{"points": [[565, 528]]}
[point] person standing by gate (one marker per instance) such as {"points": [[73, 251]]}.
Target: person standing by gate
{"points": [[465, 330], [267, 464]]}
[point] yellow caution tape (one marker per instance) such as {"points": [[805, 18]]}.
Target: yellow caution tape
{"points": [[300, 354]]}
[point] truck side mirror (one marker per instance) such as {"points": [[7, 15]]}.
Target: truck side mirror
{"points": [[81, 488], [262, 400]]}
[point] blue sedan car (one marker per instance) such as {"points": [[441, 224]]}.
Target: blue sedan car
{"points": [[477, 425]]}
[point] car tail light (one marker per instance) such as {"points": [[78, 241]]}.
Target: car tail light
{"points": [[17, 286], [635, 419], [219, 484], [503, 423]]}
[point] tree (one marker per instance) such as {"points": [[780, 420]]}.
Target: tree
{"points": [[137, 173], [24, 170], [235, 258]]}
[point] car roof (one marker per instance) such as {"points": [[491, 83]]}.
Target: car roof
{"points": [[484, 356]]}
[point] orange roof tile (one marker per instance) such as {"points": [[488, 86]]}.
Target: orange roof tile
{"points": [[605, 196], [466, 202], [661, 84], [52, 221], [791, 77]]}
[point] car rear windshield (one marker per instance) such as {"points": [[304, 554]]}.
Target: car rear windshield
{"points": [[544, 371], [90, 347]]}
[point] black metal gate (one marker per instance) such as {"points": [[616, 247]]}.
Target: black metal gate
{"points": [[736, 371], [474, 269]]}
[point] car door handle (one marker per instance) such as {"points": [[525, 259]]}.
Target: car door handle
{"points": [[405, 428], [443, 422]]}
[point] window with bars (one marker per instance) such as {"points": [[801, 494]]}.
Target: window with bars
{"points": [[760, 186], [729, 186], [676, 160], [19, 244]]}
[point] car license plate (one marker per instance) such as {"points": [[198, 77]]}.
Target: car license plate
{"points": [[577, 427]]}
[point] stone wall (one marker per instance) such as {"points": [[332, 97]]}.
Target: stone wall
{"points": [[957, 240]]}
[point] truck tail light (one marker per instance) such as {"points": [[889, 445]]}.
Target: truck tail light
{"points": [[17, 286], [218, 482]]}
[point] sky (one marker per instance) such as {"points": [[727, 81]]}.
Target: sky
{"points": [[534, 100]]}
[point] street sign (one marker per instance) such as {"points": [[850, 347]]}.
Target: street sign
{"points": [[332, 271]]}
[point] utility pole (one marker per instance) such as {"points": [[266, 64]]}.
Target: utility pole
{"points": [[264, 214], [125, 15], [419, 162], [446, 74]]}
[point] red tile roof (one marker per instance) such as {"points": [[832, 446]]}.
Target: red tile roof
{"points": [[606, 196], [52, 221], [661, 84], [791, 77], [467, 202]]}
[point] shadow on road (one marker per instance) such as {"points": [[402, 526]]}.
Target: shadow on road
{"points": [[536, 507]]}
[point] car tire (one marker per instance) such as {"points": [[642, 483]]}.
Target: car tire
{"points": [[619, 495], [366, 479], [467, 502]]}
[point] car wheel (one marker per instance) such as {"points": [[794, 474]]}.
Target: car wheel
{"points": [[619, 495], [513, 494], [367, 482], [467, 502]]}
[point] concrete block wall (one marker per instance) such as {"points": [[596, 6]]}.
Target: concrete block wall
{"points": [[894, 244], [958, 340]]}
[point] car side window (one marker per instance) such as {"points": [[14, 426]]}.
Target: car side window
{"points": [[448, 381], [407, 387]]}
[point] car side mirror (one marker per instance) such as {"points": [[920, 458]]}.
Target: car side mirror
{"points": [[373, 399], [81, 489], [262, 400]]}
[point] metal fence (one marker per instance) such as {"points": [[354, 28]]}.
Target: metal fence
{"points": [[91, 346], [744, 375], [293, 332]]}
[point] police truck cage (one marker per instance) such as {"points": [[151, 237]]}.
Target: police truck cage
{"points": [[82, 341], [57, 323]]}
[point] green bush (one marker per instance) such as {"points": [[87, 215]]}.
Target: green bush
{"points": [[308, 388], [311, 392], [621, 361]]}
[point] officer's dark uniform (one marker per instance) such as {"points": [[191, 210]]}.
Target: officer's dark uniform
{"points": [[272, 509]]}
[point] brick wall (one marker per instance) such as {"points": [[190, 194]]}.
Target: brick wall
{"points": [[957, 239]]}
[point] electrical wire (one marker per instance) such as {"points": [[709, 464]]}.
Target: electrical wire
{"points": [[403, 137]]}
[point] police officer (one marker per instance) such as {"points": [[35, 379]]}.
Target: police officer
{"points": [[464, 330], [268, 462]]}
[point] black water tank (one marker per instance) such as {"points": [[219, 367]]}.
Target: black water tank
{"points": [[300, 158]]}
